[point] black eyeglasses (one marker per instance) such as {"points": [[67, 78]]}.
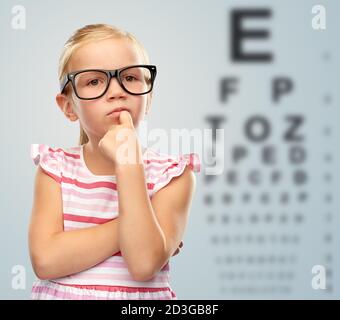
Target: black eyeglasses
{"points": [[92, 84]]}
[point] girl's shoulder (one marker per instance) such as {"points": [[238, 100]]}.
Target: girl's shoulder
{"points": [[53, 159], [160, 167]]}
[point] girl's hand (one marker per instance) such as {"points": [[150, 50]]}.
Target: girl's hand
{"points": [[178, 249], [120, 143]]}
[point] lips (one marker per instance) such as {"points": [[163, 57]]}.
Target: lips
{"points": [[117, 110]]}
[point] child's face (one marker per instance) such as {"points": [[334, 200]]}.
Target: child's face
{"points": [[108, 54]]}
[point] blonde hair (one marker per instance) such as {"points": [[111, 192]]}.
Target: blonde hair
{"points": [[92, 33]]}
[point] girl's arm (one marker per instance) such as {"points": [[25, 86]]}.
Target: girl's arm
{"points": [[55, 253], [150, 231]]}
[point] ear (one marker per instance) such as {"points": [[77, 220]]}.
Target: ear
{"points": [[65, 104]]}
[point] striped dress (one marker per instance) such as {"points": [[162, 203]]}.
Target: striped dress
{"points": [[89, 200]]}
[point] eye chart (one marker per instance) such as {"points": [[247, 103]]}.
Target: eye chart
{"points": [[272, 210]]}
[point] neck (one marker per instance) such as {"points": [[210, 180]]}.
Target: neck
{"points": [[95, 159]]}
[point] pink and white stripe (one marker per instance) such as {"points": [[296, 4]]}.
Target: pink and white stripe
{"points": [[49, 290]]}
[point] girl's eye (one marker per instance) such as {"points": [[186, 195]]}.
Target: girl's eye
{"points": [[130, 78], [93, 82]]}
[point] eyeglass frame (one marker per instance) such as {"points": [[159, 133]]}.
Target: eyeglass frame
{"points": [[110, 74]]}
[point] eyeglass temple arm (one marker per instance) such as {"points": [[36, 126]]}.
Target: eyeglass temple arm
{"points": [[63, 83]]}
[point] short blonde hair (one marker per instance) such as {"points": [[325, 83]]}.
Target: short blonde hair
{"points": [[92, 33]]}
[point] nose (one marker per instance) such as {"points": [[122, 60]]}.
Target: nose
{"points": [[115, 90]]}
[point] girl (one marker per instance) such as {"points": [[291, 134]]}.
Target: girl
{"points": [[103, 227]]}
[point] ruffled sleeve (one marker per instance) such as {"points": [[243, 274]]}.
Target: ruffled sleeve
{"points": [[49, 159], [174, 167]]}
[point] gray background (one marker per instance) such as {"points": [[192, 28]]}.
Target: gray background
{"points": [[191, 37]]}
